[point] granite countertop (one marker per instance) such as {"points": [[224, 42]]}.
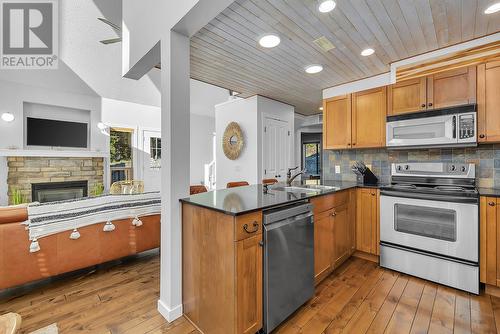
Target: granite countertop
{"points": [[491, 192], [240, 200]]}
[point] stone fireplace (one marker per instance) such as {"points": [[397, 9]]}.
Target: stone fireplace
{"points": [[58, 177]]}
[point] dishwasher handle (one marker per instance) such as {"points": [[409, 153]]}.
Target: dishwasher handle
{"points": [[290, 220]]}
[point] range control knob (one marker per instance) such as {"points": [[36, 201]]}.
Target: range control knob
{"points": [[463, 168], [453, 168], [407, 167], [399, 167]]}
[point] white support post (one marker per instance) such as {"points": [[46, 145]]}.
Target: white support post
{"points": [[175, 168]]}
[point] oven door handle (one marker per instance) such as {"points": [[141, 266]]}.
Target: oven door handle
{"points": [[429, 197]]}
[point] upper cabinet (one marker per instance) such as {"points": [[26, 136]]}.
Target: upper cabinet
{"points": [[445, 89], [355, 120], [451, 88], [368, 118], [337, 122], [488, 101], [407, 96]]}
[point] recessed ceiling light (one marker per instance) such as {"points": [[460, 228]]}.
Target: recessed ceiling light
{"points": [[312, 69], [7, 117], [326, 6], [321, 108], [367, 52], [269, 41], [493, 8]]}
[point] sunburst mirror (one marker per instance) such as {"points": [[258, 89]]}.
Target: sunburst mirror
{"points": [[232, 141]]}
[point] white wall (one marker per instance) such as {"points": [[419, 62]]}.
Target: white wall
{"points": [[13, 95], [245, 168], [201, 152], [249, 114]]}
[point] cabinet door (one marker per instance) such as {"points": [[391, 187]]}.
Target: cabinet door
{"points": [[323, 244], [341, 235], [452, 88], [249, 285], [488, 240], [337, 122], [369, 109], [407, 96], [366, 220], [488, 100]]}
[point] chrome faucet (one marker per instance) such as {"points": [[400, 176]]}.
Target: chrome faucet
{"points": [[290, 178]]}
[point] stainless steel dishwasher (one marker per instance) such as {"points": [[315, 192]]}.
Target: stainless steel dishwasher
{"points": [[288, 261]]}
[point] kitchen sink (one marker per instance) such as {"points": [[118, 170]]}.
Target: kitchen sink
{"points": [[305, 188], [319, 187]]}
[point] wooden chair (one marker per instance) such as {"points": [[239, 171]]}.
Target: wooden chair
{"points": [[197, 189], [236, 184], [269, 181], [127, 187], [10, 323]]}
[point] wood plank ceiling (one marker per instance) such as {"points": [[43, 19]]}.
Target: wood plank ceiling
{"points": [[226, 51]]}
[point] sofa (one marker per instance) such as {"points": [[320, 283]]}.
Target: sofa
{"points": [[58, 254]]}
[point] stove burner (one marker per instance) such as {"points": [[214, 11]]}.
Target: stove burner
{"points": [[405, 186], [450, 188]]}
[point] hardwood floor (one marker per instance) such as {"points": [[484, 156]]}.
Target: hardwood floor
{"points": [[359, 297]]}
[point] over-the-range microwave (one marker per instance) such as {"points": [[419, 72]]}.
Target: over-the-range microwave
{"points": [[447, 127]]}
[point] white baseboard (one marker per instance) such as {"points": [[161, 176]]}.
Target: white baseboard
{"points": [[170, 314]]}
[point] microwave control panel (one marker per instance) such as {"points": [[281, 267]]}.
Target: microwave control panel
{"points": [[466, 126]]}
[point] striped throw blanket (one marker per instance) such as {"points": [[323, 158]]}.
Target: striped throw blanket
{"points": [[45, 219]]}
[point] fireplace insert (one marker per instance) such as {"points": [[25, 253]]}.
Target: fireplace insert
{"points": [[58, 191]]}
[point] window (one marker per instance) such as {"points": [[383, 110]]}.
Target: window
{"points": [[121, 154], [312, 158], [155, 152]]}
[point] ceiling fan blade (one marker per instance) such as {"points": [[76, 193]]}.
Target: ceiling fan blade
{"points": [[111, 40], [111, 24]]}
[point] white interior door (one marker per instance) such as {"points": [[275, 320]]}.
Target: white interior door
{"points": [[152, 160], [276, 145]]}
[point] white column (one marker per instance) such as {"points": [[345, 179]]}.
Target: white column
{"points": [[175, 167]]}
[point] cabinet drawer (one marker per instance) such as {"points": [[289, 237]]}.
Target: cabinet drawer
{"points": [[248, 225], [327, 202]]}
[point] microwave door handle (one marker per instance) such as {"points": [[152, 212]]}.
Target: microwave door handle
{"points": [[454, 131]]}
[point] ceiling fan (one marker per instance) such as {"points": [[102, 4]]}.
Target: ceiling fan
{"points": [[118, 39], [116, 28]]}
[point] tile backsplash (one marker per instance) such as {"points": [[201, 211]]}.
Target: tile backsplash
{"points": [[486, 158]]}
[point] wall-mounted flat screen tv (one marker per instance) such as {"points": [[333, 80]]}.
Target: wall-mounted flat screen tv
{"points": [[46, 132]]}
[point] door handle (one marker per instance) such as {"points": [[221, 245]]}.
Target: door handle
{"points": [[255, 228]]}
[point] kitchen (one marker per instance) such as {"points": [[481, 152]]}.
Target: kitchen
{"points": [[409, 184]]}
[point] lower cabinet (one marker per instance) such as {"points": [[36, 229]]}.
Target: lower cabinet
{"points": [[489, 241], [367, 220], [333, 231], [249, 285]]}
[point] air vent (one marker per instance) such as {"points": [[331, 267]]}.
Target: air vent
{"points": [[324, 44]]}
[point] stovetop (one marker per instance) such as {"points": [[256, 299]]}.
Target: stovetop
{"points": [[451, 190]]}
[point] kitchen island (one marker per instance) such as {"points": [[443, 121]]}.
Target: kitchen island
{"points": [[223, 254]]}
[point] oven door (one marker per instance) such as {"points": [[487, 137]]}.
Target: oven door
{"points": [[426, 131], [435, 226]]}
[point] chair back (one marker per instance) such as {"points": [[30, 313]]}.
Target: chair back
{"points": [[197, 189], [236, 184], [269, 181], [127, 187], [10, 323]]}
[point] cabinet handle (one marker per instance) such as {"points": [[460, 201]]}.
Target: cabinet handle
{"points": [[373, 194], [482, 135], [261, 243], [353, 144], [255, 226], [491, 203], [430, 104], [334, 214], [423, 105]]}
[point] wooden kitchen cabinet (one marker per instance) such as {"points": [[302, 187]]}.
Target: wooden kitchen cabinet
{"points": [[222, 270], [451, 88], [369, 109], [337, 122], [323, 244], [444, 89], [249, 285], [367, 220], [334, 228], [407, 96], [489, 233], [488, 100]]}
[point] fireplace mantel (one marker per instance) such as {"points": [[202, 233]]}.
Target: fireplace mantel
{"points": [[53, 153]]}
